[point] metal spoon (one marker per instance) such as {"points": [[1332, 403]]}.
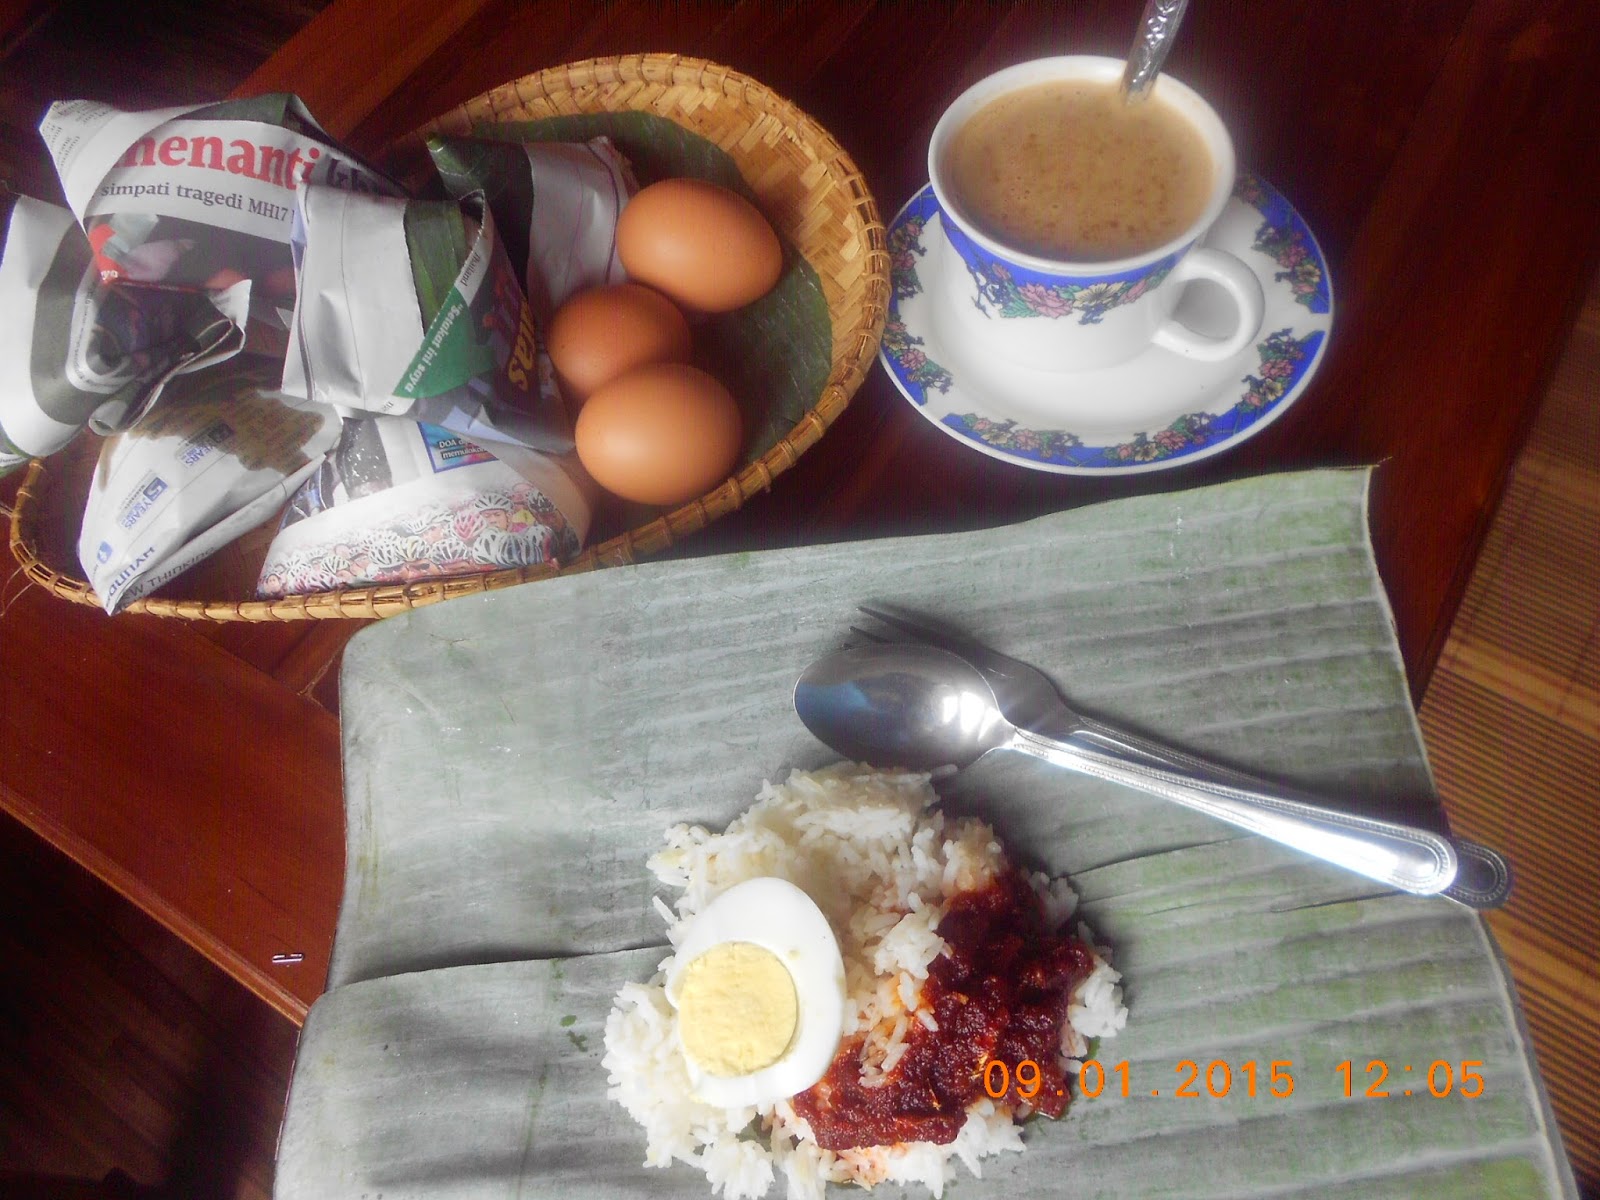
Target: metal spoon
{"points": [[1158, 28], [916, 706]]}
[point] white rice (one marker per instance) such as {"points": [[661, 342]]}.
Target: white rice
{"points": [[865, 846]]}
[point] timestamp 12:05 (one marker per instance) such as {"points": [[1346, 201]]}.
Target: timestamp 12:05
{"points": [[1438, 1079]]}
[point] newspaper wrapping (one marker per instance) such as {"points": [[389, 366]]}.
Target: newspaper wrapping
{"points": [[77, 351], [400, 500], [217, 458], [555, 203], [411, 308], [198, 197]]}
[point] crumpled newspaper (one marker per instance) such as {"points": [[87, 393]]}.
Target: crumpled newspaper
{"points": [[199, 197], [400, 500], [77, 351], [410, 307], [218, 457], [555, 204]]}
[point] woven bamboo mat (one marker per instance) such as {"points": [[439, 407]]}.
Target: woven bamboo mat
{"points": [[1512, 724]]}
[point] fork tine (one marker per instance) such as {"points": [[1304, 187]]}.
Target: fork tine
{"points": [[868, 634], [902, 623], [974, 652]]}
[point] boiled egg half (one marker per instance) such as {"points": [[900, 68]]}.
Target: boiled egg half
{"points": [[758, 985]]}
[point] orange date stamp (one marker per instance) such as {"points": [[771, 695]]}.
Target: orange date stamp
{"points": [[1219, 1078]]}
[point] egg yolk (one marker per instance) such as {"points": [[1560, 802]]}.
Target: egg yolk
{"points": [[737, 1009]]}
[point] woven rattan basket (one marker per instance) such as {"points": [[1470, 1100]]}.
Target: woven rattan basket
{"points": [[808, 187]]}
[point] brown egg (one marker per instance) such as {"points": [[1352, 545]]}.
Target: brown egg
{"points": [[605, 332], [660, 434], [708, 248]]}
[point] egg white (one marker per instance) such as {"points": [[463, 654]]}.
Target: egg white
{"points": [[780, 918]]}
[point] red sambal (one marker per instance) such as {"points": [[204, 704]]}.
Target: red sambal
{"points": [[999, 994]]}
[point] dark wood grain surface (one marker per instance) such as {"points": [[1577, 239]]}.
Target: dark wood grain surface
{"points": [[121, 1049], [1444, 153]]}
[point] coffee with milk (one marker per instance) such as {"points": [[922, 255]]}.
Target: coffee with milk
{"points": [[1069, 171]]}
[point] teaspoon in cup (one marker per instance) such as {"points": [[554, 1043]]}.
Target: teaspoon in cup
{"points": [[1158, 29]]}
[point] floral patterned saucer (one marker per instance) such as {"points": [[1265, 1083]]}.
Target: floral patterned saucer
{"points": [[1155, 411]]}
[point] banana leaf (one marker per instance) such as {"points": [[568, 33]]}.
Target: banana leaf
{"points": [[436, 235], [511, 761]]}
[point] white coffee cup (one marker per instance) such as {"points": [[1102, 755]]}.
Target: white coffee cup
{"points": [[1058, 315]]}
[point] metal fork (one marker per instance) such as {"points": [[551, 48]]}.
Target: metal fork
{"points": [[1031, 701]]}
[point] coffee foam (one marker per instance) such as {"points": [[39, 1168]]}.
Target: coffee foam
{"points": [[1068, 170]]}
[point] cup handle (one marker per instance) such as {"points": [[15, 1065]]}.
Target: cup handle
{"points": [[1240, 282]]}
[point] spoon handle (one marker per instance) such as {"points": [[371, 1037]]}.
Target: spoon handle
{"points": [[1403, 857], [1483, 876], [1158, 29]]}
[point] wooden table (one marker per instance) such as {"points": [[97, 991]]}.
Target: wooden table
{"points": [[1445, 154]]}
